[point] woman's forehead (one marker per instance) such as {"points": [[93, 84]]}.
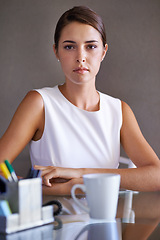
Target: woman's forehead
{"points": [[75, 31]]}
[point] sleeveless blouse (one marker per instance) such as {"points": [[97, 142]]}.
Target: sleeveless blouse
{"points": [[77, 138]]}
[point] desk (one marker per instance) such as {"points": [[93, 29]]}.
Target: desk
{"points": [[138, 217]]}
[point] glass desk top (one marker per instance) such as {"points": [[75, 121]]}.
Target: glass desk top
{"points": [[138, 217]]}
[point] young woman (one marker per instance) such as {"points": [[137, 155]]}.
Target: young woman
{"points": [[73, 129]]}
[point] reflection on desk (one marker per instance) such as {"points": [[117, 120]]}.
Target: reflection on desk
{"points": [[138, 217], [39, 233]]}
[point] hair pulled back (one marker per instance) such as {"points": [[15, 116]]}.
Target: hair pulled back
{"points": [[83, 15]]}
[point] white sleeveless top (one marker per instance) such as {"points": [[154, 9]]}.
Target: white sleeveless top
{"points": [[77, 138]]}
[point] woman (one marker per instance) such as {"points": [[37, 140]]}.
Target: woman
{"points": [[73, 129]]}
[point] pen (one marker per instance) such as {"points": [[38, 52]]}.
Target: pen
{"points": [[11, 170], [5, 208], [33, 173], [6, 172]]}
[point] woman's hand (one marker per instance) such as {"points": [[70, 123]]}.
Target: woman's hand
{"points": [[52, 174], [61, 189]]}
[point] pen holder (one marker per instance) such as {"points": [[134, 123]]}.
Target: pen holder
{"points": [[25, 200]]}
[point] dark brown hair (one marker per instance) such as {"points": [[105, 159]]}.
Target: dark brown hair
{"points": [[80, 14]]}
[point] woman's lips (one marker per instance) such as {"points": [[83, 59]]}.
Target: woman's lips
{"points": [[80, 70]]}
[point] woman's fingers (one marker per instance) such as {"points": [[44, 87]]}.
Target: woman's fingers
{"points": [[45, 169], [38, 167], [46, 174], [51, 172], [56, 172], [46, 181]]}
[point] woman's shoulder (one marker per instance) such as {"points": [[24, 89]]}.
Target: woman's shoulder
{"points": [[127, 111], [47, 91], [33, 99], [108, 99], [115, 100]]}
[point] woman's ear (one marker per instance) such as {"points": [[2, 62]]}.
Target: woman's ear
{"points": [[55, 51], [105, 51]]}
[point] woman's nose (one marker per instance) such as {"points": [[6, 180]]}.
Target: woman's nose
{"points": [[81, 56], [80, 60]]}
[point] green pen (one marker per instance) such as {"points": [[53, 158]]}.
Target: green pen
{"points": [[11, 170]]}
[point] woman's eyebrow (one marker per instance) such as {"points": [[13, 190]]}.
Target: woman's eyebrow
{"points": [[70, 41], [91, 41]]}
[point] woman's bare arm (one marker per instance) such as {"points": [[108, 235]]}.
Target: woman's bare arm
{"points": [[27, 123], [133, 142]]}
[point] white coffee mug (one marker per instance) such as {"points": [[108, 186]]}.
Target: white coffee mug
{"points": [[102, 191]]}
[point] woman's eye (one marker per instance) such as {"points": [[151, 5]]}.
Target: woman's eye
{"points": [[69, 47], [91, 46]]}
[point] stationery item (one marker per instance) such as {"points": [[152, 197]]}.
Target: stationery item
{"points": [[33, 173], [30, 200], [25, 201], [11, 170], [102, 192], [4, 208], [6, 172]]}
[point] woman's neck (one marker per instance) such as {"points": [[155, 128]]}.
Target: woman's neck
{"points": [[83, 96]]}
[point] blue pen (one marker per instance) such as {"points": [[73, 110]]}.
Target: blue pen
{"points": [[33, 173]]}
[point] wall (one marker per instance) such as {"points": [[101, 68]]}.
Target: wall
{"points": [[130, 71]]}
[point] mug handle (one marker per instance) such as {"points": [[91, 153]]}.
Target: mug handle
{"points": [[83, 188]]}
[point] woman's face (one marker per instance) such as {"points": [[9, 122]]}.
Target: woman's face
{"points": [[80, 52]]}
